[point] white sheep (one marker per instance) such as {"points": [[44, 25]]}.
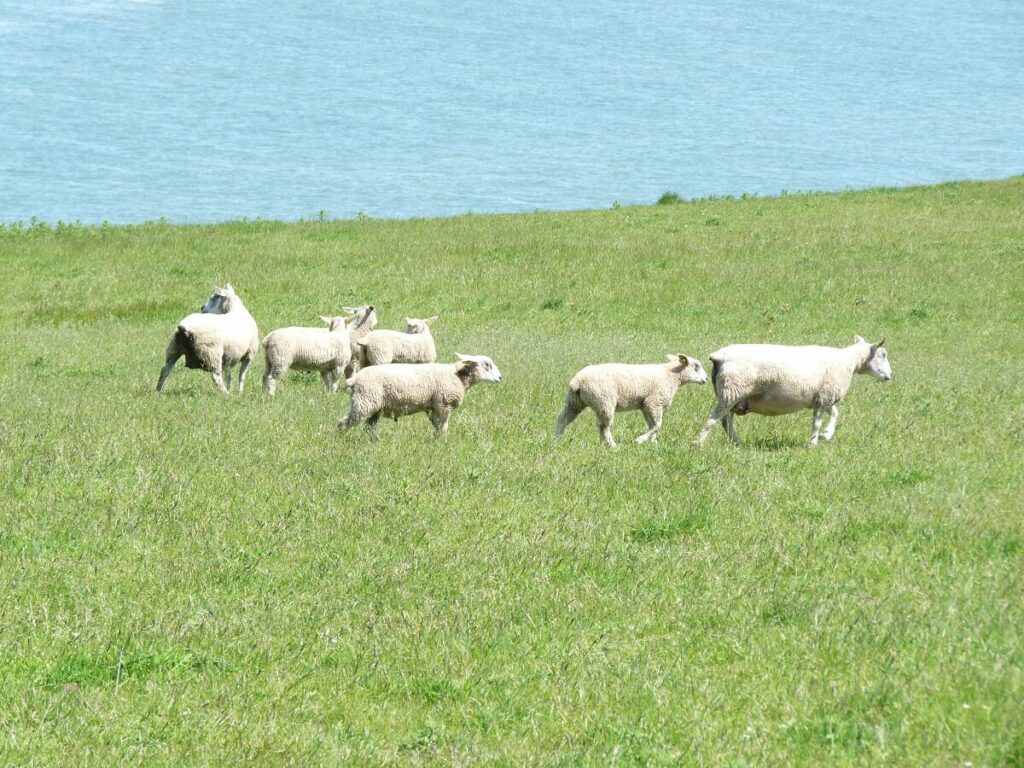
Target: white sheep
{"points": [[416, 345], [364, 321], [613, 387], [308, 349], [217, 337], [400, 389], [773, 379]]}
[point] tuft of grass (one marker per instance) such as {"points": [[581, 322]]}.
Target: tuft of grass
{"points": [[670, 198], [195, 578]]}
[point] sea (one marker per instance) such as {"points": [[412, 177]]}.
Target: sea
{"points": [[125, 111]]}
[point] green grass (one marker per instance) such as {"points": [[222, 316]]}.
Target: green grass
{"points": [[200, 579]]}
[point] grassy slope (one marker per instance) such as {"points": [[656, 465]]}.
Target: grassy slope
{"points": [[214, 580]]}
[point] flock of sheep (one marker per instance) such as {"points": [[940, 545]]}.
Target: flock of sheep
{"points": [[397, 373]]}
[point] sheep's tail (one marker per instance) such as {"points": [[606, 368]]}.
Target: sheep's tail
{"points": [[186, 342], [716, 370], [573, 407]]}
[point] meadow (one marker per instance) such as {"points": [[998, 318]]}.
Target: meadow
{"points": [[200, 579]]}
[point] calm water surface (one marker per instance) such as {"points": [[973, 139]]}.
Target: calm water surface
{"points": [[198, 111]]}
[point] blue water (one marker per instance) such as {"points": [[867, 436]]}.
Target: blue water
{"points": [[199, 111]]}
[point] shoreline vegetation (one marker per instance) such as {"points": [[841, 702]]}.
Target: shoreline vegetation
{"points": [[34, 223], [197, 578]]}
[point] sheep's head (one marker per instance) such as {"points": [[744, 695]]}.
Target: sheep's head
{"points": [[477, 368], [689, 369], [413, 325], [334, 323], [221, 301], [877, 363], [362, 316]]}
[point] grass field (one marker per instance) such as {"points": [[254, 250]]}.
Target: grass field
{"points": [[200, 579]]}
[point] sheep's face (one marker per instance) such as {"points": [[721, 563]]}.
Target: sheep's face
{"points": [[413, 325], [878, 364], [219, 302], [362, 316], [690, 370], [483, 368], [334, 323]]}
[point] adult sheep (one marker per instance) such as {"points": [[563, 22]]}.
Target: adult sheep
{"points": [[774, 379], [400, 389], [613, 387], [222, 334]]}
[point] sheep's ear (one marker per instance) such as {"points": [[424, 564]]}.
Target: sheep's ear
{"points": [[430, 320], [858, 339], [327, 320], [229, 288], [684, 360], [463, 357], [408, 320], [880, 344], [349, 310]]}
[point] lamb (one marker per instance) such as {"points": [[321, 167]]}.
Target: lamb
{"points": [[217, 337], [308, 349], [416, 345], [364, 321], [400, 389], [773, 379], [613, 387]]}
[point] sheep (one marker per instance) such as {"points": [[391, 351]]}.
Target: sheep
{"points": [[416, 345], [613, 387], [221, 334], [400, 389], [773, 379], [364, 321], [328, 351]]}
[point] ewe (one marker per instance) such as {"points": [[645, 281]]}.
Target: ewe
{"points": [[615, 387], [397, 389], [308, 349], [773, 379], [416, 345], [217, 337]]}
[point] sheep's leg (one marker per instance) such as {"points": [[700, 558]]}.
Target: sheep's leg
{"points": [[270, 380], [718, 413], [172, 358], [729, 424], [604, 427], [832, 421], [243, 371], [565, 418], [371, 426], [218, 379], [439, 419], [227, 377], [652, 415], [353, 418], [325, 376], [819, 415], [335, 379]]}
